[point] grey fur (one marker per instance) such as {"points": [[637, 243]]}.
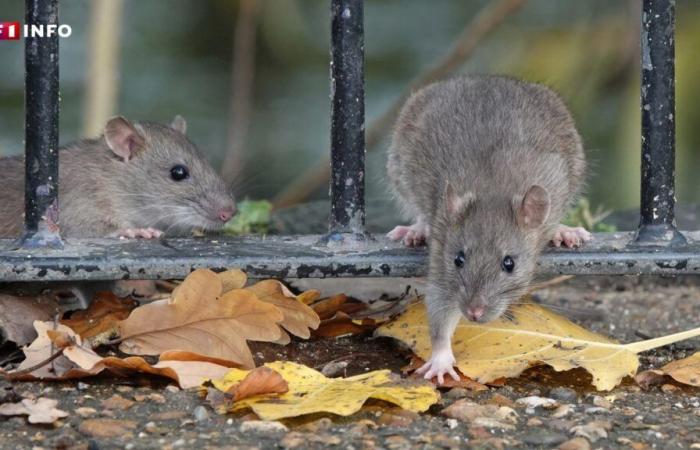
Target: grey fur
{"points": [[100, 193], [492, 137]]}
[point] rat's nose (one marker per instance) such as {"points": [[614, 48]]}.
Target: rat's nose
{"points": [[225, 214], [474, 313]]}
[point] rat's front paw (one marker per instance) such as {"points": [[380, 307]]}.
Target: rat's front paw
{"points": [[146, 233], [413, 236], [570, 236], [440, 363]]}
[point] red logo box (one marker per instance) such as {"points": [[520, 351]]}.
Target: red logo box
{"points": [[9, 31]]}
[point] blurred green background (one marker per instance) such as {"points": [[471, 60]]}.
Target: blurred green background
{"points": [[176, 58]]}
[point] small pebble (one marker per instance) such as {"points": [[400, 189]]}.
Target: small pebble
{"points": [[545, 437], [262, 426], [563, 394], [200, 413], [452, 423]]}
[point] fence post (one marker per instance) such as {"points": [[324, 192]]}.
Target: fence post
{"points": [[347, 118], [657, 222], [41, 129]]}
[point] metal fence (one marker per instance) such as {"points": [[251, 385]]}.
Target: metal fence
{"points": [[656, 247]]}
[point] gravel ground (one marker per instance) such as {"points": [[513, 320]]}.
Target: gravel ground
{"points": [[135, 413]]}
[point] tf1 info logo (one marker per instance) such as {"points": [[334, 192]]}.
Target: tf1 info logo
{"points": [[12, 31]]}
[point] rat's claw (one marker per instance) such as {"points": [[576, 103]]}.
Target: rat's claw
{"points": [[146, 233], [413, 236], [440, 363], [570, 236]]}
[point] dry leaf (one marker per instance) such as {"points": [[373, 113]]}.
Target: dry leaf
{"points": [[42, 348], [197, 319], [298, 317], [103, 315], [535, 335], [41, 410], [343, 325], [260, 381], [185, 368], [60, 339], [686, 371], [505, 348], [17, 314], [232, 279], [327, 308], [311, 392], [187, 372]]}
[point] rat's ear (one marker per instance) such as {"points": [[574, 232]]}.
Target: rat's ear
{"points": [[179, 124], [457, 204], [122, 138], [533, 209]]}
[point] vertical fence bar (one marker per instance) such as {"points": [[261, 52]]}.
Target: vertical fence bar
{"points": [[41, 127], [347, 118], [657, 223]]}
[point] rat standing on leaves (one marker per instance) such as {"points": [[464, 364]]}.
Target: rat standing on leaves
{"points": [[137, 180], [487, 167]]}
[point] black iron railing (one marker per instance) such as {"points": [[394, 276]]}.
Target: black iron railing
{"points": [[656, 247]]}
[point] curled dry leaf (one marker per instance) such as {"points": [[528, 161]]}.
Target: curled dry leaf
{"points": [[41, 410], [187, 369], [199, 319], [60, 339], [342, 324], [686, 371], [311, 392], [17, 315], [103, 315], [297, 317], [260, 381], [504, 348]]}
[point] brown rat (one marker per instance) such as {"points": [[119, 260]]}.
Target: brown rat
{"points": [[136, 180], [487, 167]]}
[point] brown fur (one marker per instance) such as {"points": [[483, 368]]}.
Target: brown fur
{"points": [[100, 193], [491, 138]]}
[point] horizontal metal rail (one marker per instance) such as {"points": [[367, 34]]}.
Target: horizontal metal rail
{"points": [[305, 257]]}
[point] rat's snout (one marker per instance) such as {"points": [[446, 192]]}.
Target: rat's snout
{"points": [[224, 214], [475, 312]]}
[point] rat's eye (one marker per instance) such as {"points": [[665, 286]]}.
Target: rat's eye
{"points": [[459, 259], [179, 172], [508, 264]]}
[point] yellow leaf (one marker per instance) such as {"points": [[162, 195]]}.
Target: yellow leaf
{"points": [[311, 392], [504, 348]]}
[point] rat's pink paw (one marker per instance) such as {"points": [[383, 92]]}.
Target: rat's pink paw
{"points": [[440, 363], [413, 236], [146, 233], [570, 236]]}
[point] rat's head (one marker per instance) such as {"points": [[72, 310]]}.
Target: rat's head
{"points": [[490, 249], [162, 179]]}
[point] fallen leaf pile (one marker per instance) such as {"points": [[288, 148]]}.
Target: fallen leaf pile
{"points": [[309, 391], [534, 336], [200, 332]]}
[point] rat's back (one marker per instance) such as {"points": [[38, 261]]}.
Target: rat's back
{"points": [[488, 135]]}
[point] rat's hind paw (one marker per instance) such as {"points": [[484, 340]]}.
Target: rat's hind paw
{"points": [[146, 233], [440, 363], [570, 236], [412, 236]]}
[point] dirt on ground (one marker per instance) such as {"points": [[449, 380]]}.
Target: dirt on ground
{"points": [[143, 413]]}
